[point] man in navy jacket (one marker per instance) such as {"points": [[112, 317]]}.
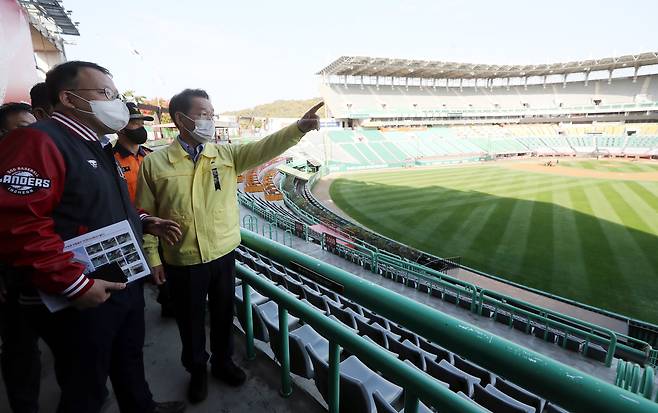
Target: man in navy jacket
{"points": [[59, 180]]}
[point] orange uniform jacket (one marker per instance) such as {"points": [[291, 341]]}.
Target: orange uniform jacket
{"points": [[130, 164]]}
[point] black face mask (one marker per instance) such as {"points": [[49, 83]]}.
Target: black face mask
{"points": [[137, 136]]}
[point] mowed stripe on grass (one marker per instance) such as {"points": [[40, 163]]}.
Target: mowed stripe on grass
{"points": [[591, 240]]}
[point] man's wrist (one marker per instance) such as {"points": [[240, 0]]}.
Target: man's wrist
{"points": [[300, 129]]}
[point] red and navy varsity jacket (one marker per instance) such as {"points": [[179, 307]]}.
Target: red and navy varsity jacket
{"points": [[57, 182]]}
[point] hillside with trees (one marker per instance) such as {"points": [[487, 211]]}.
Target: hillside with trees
{"points": [[278, 109]]}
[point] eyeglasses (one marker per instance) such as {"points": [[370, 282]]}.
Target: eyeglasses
{"points": [[203, 116], [108, 92]]}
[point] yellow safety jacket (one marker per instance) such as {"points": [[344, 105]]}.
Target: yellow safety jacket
{"points": [[202, 196]]}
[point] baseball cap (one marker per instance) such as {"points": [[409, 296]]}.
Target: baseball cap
{"points": [[135, 113]]}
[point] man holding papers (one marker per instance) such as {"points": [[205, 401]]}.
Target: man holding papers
{"points": [[59, 180]]}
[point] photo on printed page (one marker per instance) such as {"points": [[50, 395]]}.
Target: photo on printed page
{"points": [[123, 238], [80, 256], [109, 243], [128, 249], [137, 269], [132, 258], [114, 255], [98, 261], [94, 249]]}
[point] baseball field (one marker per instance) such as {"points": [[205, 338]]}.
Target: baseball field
{"points": [[586, 230]]}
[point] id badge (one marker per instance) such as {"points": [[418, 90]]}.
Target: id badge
{"points": [[215, 177]]}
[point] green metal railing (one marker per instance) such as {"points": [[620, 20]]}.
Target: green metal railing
{"points": [[416, 383], [632, 377], [250, 222], [379, 260], [552, 380], [269, 228], [480, 296]]}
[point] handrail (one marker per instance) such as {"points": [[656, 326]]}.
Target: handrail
{"points": [[547, 321], [621, 373], [416, 382], [565, 385], [646, 385], [572, 320], [439, 278]]}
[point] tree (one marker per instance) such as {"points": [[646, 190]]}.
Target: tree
{"points": [[133, 97]]}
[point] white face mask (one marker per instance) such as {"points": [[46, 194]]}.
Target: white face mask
{"points": [[112, 113], [204, 129]]}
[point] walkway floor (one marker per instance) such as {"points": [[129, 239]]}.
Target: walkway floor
{"points": [[168, 380]]}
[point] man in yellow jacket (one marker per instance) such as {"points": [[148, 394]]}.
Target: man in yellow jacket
{"points": [[194, 182]]}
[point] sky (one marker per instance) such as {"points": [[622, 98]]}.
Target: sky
{"points": [[246, 52]]}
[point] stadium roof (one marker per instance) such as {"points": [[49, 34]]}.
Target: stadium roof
{"points": [[53, 10], [373, 66]]}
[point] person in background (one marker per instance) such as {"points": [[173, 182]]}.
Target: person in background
{"points": [[20, 358], [129, 150], [129, 153], [59, 181], [194, 181], [41, 106], [15, 115]]}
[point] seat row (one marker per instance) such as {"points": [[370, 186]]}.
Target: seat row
{"points": [[361, 388]]}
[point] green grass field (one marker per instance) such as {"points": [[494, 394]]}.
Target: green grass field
{"points": [[611, 166], [591, 240]]}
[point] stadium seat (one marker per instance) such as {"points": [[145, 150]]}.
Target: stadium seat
{"points": [[345, 316], [455, 378], [276, 275], [376, 318], [498, 402], [596, 352], [255, 296], [364, 377], [261, 267], [552, 408], [439, 352], [522, 395], [382, 406], [464, 302], [330, 294], [540, 332], [299, 338], [487, 311], [350, 304], [269, 312], [450, 297], [572, 343], [503, 317], [377, 333], [521, 324], [425, 288], [407, 351], [485, 376], [309, 284], [295, 287], [403, 332], [357, 383], [316, 300]]}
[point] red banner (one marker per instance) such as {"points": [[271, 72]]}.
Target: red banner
{"points": [[18, 71]]}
